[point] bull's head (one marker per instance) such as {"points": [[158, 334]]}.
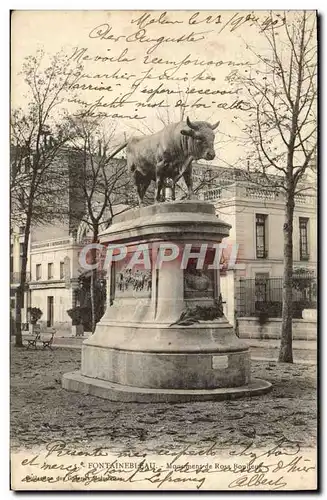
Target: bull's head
{"points": [[203, 138]]}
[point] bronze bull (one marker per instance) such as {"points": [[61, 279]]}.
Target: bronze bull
{"points": [[169, 154]]}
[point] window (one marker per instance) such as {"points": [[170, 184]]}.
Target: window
{"points": [[21, 249], [22, 230], [50, 311], [304, 248], [38, 273], [50, 271], [261, 240], [62, 270]]}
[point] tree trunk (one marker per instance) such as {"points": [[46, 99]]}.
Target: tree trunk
{"points": [[286, 350], [19, 304], [94, 279], [22, 285], [93, 299]]}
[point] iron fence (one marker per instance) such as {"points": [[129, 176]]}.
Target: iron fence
{"points": [[265, 295]]}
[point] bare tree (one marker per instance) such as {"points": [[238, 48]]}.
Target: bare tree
{"points": [[101, 184], [38, 134], [282, 127]]}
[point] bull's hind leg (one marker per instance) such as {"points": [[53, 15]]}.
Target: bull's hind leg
{"points": [[160, 178], [135, 175], [138, 185], [142, 184]]}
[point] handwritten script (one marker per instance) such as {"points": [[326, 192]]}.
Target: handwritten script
{"points": [[134, 64], [279, 467]]}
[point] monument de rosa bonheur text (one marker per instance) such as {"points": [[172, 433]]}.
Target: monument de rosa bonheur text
{"points": [[164, 336]]}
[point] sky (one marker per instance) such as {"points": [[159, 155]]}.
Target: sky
{"points": [[141, 69]]}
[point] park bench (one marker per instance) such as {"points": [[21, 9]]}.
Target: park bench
{"points": [[47, 337], [43, 338], [32, 339]]}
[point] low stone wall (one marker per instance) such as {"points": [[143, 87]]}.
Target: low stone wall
{"points": [[249, 328]]}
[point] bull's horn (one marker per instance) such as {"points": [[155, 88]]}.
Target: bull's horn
{"points": [[215, 125], [191, 125]]}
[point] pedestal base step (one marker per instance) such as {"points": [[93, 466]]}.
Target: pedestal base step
{"points": [[75, 381]]}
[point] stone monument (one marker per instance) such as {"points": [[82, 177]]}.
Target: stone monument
{"points": [[164, 336]]}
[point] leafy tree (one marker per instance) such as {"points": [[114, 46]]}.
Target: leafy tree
{"points": [[39, 131], [35, 313]]}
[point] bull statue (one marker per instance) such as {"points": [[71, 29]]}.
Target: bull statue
{"points": [[169, 154]]}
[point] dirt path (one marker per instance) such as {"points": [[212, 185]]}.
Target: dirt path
{"points": [[42, 411]]}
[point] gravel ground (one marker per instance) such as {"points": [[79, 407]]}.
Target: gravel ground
{"points": [[299, 355], [42, 411]]}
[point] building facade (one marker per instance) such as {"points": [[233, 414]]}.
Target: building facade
{"points": [[257, 219], [255, 248], [68, 208], [54, 272], [16, 251], [58, 282]]}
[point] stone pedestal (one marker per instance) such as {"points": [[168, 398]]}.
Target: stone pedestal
{"points": [[163, 336]]}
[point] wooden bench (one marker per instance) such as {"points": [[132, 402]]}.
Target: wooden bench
{"points": [[43, 338], [32, 339], [47, 338]]}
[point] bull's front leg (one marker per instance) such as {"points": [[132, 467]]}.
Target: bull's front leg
{"points": [[187, 175], [187, 166], [159, 188]]}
